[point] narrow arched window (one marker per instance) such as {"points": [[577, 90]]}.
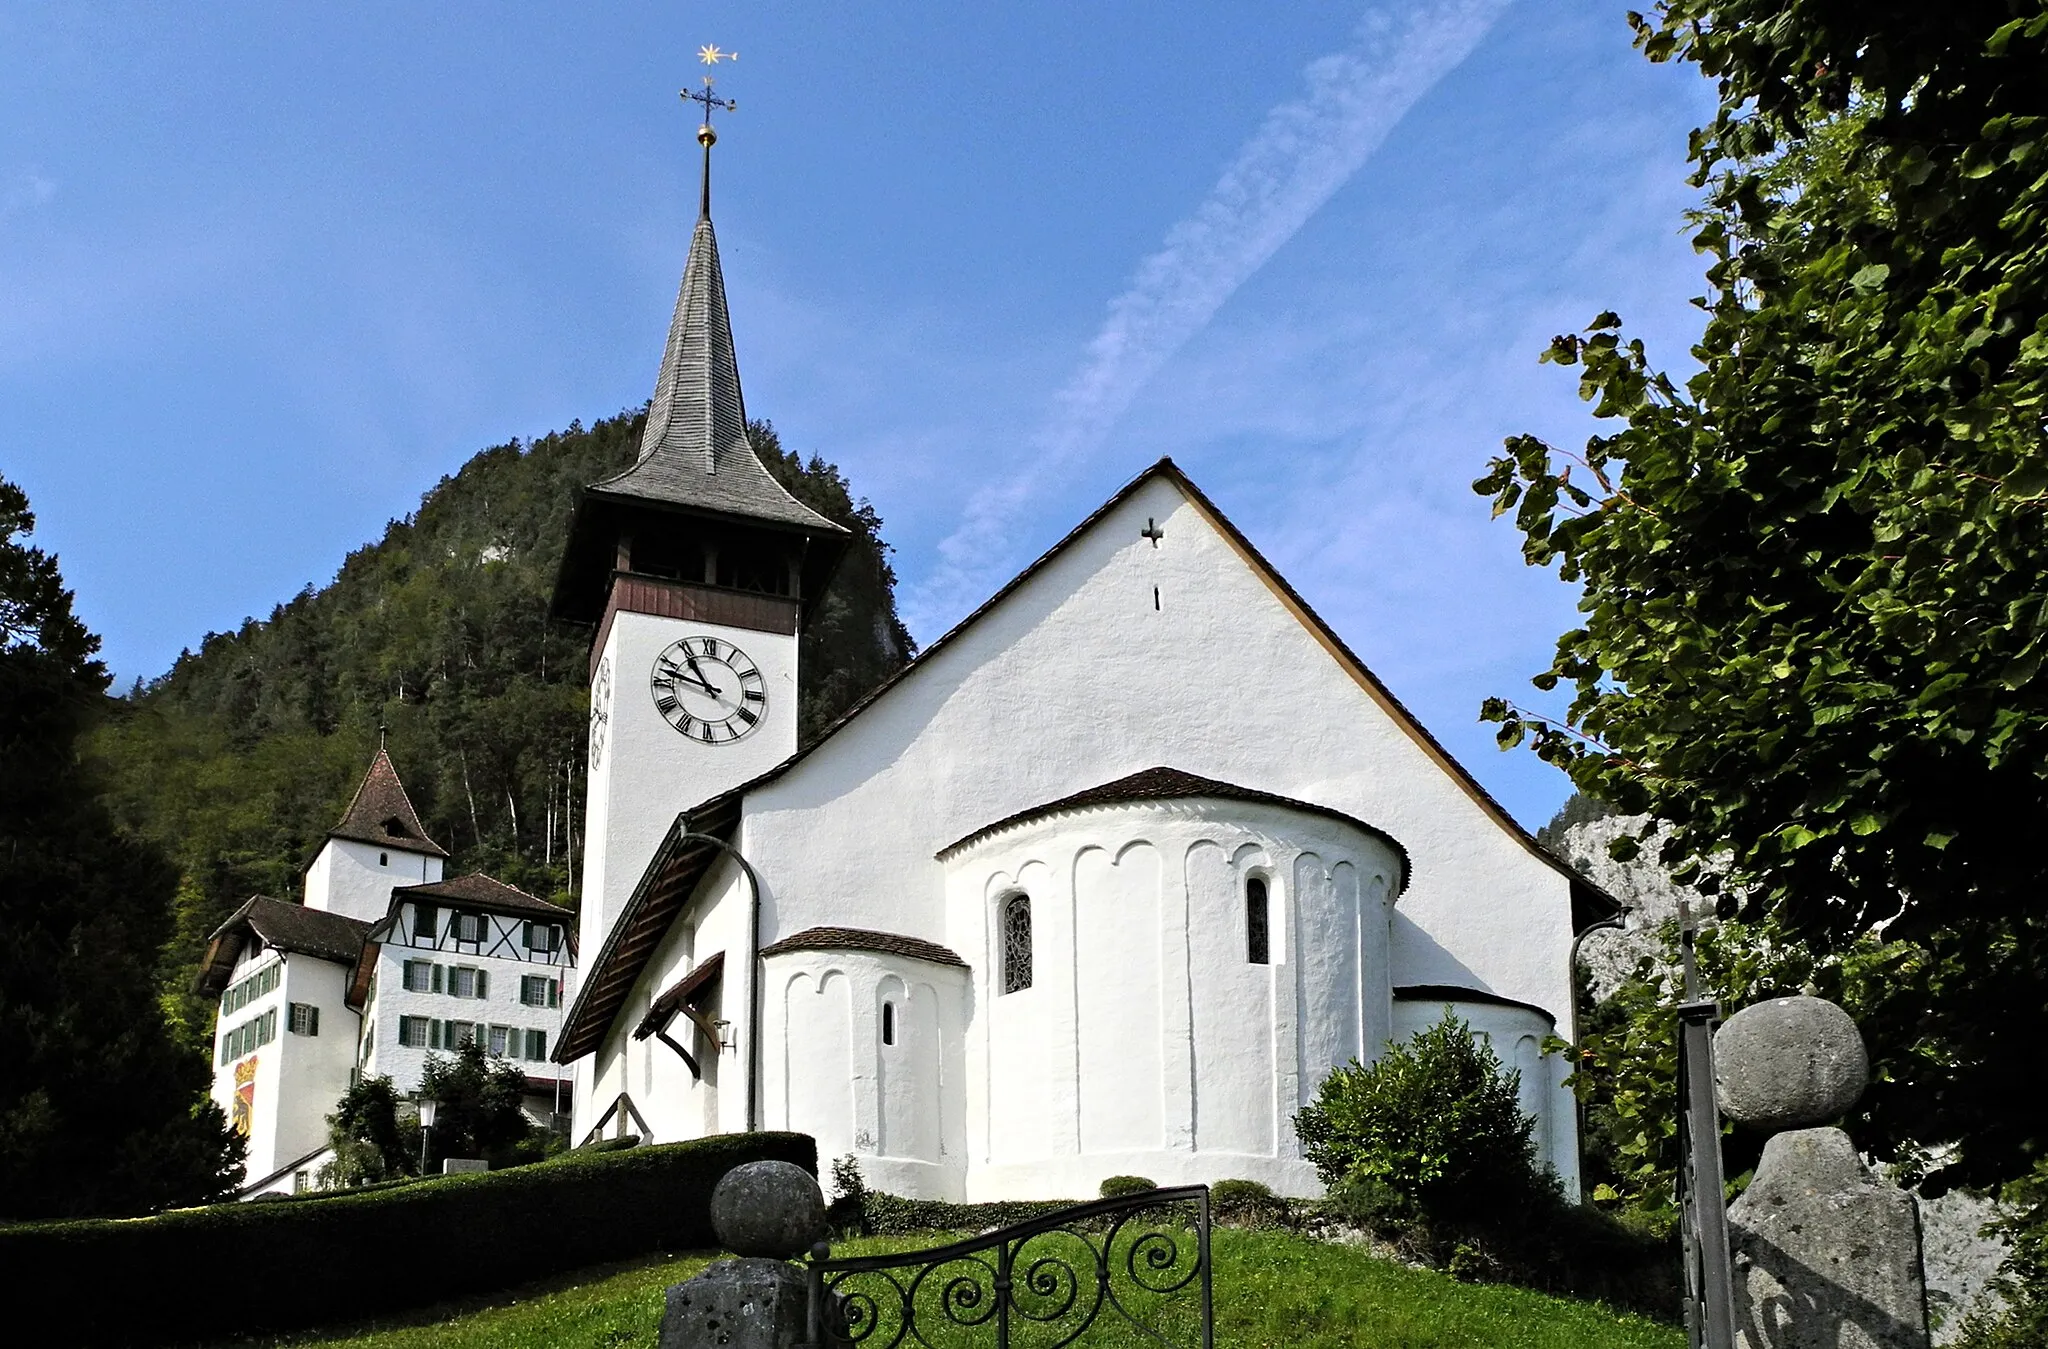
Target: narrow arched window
{"points": [[888, 1023], [1256, 921], [1016, 943]]}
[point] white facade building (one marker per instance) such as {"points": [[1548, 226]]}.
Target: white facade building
{"points": [[382, 963], [1106, 882]]}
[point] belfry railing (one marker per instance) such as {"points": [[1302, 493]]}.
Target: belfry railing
{"points": [[1131, 1269]]}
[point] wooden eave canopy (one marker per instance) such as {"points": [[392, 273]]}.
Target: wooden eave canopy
{"points": [[683, 996], [665, 887]]}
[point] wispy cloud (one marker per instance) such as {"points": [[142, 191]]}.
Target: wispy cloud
{"points": [[1305, 150]]}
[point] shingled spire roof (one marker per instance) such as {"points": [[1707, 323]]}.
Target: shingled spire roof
{"points": [[695, 453], [382, 814]]}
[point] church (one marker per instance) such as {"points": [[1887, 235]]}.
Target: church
{"points": [[1105, 882]]}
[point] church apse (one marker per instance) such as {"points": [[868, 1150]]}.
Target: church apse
{"points": [[1151, 1041]]}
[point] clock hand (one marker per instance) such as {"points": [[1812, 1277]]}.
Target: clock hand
{"points": [[702, 682], [675, 672]]}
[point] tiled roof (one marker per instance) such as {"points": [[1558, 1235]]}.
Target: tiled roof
{"points": [[694, 452], [480, 890], [284, 925], [382, 814], [1171, 784], [860, 939]]}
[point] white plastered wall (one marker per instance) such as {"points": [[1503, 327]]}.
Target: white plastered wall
{"points": [[356, 879], [1148, 1043], [312, 1070], [895, 1104], [674, 1104]]}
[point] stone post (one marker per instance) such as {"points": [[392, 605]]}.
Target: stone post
{"points": [[1827, 1254], [766, 1213]]}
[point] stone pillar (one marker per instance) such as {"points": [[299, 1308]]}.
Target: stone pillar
{"points": [[766, 1213], [1827, 1255]]}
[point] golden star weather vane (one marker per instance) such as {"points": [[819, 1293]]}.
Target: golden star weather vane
{"points": [[711, 54]]}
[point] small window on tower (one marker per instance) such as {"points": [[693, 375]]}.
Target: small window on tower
{"points": [[383, 859], [1257, 920], [888, 1023]]}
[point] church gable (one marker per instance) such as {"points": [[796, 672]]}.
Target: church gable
{"points": [[1153, 633]]}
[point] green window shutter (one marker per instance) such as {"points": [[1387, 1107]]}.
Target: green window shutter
{"points": [[554, 992], [437, 978], [312, 1020], [483, 987]]}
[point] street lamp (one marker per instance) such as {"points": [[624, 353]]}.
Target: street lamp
{"points": [[429, 1107]]}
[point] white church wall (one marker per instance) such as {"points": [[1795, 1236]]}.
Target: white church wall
{"points": [[1148, 1042], [647, 772], [356, 879], [1516, 1035], [1115, 656]]}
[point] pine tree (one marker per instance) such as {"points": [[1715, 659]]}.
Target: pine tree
{"points": [[101, 1110]]}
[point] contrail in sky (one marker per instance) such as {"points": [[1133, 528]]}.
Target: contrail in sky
{"points": [[1305, 150]]}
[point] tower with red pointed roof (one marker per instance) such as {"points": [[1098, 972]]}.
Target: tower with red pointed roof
{"points": [[378, 845]]}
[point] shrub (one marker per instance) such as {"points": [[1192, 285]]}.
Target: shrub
{"points": [[847, 1213], [320, 1258], [1436, 1120], [1247, 1202], [1116, 1187]]}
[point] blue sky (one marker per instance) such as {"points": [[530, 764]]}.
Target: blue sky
{"points": [[268, 272]]}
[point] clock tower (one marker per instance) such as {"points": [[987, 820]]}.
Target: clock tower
{"points": [[693, 570]]}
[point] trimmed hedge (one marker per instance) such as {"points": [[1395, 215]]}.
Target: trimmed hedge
{"points": [[229, 1270], [884, 1215]]}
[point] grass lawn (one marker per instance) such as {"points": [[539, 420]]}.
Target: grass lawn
{"points": [[1271, 1289]]}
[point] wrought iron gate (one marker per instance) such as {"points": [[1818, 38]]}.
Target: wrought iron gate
{"points": [[1135, 1268]]}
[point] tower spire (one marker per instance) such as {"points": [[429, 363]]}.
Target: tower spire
{"points": [[698, 416]]}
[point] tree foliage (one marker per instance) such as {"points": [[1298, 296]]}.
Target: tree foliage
{"points": [[372, 1139], [481, 1112], [101, 1110], [244, 754], [1815, 574]]}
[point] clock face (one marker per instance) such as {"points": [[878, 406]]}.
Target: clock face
{"points": [[600, 709], [709, 690]]}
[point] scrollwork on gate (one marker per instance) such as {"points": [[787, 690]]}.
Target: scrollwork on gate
{"points": [[1138, 1263]]}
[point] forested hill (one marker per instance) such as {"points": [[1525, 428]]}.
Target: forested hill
{"points": [[241, 758]]}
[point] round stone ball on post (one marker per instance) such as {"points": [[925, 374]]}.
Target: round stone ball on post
{"points": [[771, 1209], [1789, 1063]]}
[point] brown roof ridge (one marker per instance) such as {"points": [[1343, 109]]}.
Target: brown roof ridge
{"points": [[474, 887], [286, 925], [1164, 783], [863, 939], [381, 813]]}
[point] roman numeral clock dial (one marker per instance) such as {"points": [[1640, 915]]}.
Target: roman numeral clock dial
{"points": [[709, 690]]}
